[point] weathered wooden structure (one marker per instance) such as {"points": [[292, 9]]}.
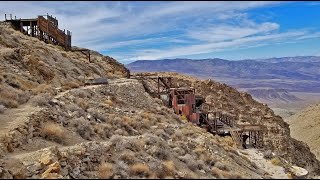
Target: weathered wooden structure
{"points": [[163, 84], [44, 27], [185, 102]]}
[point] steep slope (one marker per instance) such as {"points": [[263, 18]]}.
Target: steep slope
{"points": [[53, 127], [247, 110], [29, 67], [305, 127], [124, 134], [66, 130]]}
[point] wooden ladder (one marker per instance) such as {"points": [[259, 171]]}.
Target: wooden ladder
{"points": [[236, 138]]}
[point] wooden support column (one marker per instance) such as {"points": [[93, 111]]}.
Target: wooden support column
{"points": [[21, 26], [32, 29]]}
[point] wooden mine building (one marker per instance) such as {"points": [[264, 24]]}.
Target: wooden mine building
{"points": [[44, 27]]}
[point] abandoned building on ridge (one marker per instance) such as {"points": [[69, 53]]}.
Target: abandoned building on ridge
{"points": [[185, 102], [44, 27]]}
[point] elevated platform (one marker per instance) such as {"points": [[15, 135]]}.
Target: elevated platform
{"points": [[44, 27]]}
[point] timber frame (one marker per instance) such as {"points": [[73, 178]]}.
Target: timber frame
{"points": [[206, 115], [44, 27]]}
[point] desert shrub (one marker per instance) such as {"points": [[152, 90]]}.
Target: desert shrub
{"points": [[151, 139], [25, 84], [2, 108], [216, 172], [82, 104], [109, 102], [64, 54], [267, 154], [168, 168], [209, 160], [199, 150], [85, 131], [40, 100], [53, 132], [139, 169], [99, 116], [146, 115], [189, 161], [220, 174], [83, 128], [276, 161], [42, 88], [221, 166], [176, 117], [177, 135], [128, 157], [184, 118], [46, 73], [72, 107], [23, 98], [70, 85], [179, 150], [136, 145], [9, 103], [227, 140], [105, 170], [82, 94], [9, 97], [169, 130], [161, 133]]}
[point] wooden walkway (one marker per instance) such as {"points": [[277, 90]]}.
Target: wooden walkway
{"points": [[44, 27]]}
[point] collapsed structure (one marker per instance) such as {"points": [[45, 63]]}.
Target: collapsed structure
{"points": [[185, 102]]}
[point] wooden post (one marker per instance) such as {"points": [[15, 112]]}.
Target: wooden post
{"points": [[31, 27], [89, 56], [158, 87], [21, 26]]}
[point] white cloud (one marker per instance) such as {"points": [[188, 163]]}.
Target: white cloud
{"points": [[200, 27], [228, 32], [215, 46]]}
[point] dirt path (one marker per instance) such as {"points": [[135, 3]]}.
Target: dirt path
{"points": [[276, 172], [12, 118]]}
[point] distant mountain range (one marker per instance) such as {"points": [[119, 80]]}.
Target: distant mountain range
{"points": [[301, 73], [273, 94]]}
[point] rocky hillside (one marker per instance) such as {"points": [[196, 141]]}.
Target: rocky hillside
{"points": [[304, 126], [247, 110], [54, 127], [29, 67], [108, 131]]}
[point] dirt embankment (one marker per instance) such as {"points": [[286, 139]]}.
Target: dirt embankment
{"points": [[305, 127]]}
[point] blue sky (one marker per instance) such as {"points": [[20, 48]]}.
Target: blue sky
{"points": [[130, 31]]}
